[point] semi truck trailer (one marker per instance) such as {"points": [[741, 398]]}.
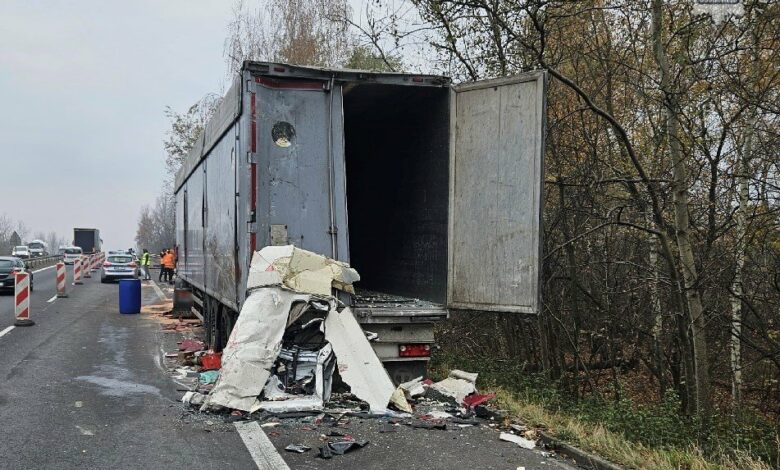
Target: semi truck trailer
{"points": [[88, 239], [432, 191]]}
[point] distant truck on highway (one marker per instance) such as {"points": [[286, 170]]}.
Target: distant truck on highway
{"points": [[88, 239], [38, 248], [433, 192]]}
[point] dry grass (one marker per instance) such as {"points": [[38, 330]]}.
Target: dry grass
{"points": [[613, 446]]}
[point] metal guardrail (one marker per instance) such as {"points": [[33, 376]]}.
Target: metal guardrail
{"points": [[41, 261]]}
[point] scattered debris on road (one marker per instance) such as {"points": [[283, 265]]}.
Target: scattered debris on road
{"points": [[297, 448], [519, 440], [297, 360]]}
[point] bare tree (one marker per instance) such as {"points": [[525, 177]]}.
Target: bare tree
{"points": [[301, 32]]}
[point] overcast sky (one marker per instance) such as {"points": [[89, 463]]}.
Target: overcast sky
{"points": [[83, 86]]}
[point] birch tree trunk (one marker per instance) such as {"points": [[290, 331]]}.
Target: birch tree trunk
{"points": [[680, 195], [737, 287]]}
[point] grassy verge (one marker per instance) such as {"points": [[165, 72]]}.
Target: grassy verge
{"points": [[652, 437]]}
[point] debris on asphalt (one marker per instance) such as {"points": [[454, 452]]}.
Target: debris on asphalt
{"points": [[193, 398], [458, 385], [476, 399], [298, 359], [340, 448], [208, 377], [191, 345], [298, 448], [398, 399], [211, 361], [519, 440], [413, 388]]}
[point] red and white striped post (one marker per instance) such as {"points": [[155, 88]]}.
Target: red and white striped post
{"points": [[61, 280], [22, 297], [95, 259], [77, 272], [86, 270]]}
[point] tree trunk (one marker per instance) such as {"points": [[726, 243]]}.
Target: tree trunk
{"points": [[655, 306], [737, 287], [682, 226]]}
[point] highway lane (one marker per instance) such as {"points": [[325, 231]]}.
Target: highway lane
{"points": [[86, 387], [45, 288]]}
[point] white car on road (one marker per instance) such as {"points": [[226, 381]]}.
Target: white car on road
{"points": [[70, 254], [21, 251]]}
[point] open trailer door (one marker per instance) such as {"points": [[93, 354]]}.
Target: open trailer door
{"points": [[496, 172]]}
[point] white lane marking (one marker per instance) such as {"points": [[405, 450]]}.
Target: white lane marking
{"points": [[6, 330], [42, 269], [260, 447], [158, 291], [52, 299]]}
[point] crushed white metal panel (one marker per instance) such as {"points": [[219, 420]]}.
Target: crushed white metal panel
{"points": [[252, 348], [299, 270], [358, 365]]}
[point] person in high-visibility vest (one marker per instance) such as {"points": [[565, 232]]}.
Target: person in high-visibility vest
{"points": [[145, 262], [168, 264]]}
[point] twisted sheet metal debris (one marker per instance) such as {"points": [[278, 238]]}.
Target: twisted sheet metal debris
{"points": [[281, 278], [358, 364]]}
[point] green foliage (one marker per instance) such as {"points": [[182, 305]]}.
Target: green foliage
{"points": [[656, 426], [363, 58]]}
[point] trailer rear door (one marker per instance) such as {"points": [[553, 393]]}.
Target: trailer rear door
{"points": [[496, 171]]}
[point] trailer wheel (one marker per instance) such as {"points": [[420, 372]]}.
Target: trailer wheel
{"points": [[210, 318], [403, 371], [226, 322]]}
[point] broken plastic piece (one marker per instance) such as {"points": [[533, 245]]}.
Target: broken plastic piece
{"points": [[458, 385], [340, 448], [521, 441], [211, 361], [193, 398], [191, 345], [477, 399], [413, 388], [424, 425], [398, 398], [436, 414], [209, 377], [298, 448]]}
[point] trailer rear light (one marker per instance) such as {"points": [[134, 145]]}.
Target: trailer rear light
{"points": [[417, 79], [414, 350], [132, 264], [106, 264], [279, 69]]}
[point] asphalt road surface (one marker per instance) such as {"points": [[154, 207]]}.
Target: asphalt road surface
{"points": [[86, 387]]}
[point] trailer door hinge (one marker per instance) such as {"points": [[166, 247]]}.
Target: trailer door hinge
{"points": [[251, 227], [333, 230], [251, 157]]}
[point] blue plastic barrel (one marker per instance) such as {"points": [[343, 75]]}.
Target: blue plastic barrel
{"points": [[129, 296]]}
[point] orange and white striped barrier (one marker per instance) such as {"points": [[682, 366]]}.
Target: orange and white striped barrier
{"points": [[86, 271], [61, 280], [95, 262], [77, 272], [22, 298]]}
